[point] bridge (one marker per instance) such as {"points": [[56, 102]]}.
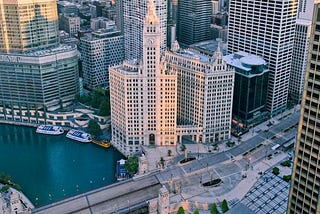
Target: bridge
{"points": [[116, 198]]}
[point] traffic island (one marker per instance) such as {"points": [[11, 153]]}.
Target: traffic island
{"points": [[212, 183], [187, 160]]}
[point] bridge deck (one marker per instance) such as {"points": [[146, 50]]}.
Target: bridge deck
{"points": [[107, 199]]}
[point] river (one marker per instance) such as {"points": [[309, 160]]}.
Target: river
{"points": [[50, 168]]}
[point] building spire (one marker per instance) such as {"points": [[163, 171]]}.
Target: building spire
{"points": [[152, 14]]}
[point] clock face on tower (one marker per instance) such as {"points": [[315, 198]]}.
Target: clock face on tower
{"points": [[151, 41]]}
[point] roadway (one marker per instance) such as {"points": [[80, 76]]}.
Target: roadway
{"points": [[118, 196]]}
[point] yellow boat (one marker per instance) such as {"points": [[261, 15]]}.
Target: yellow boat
{"points": [[101, 143]]}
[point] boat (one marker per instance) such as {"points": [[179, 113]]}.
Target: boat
{"points": [[104, 144], [79, 136], [121, 173], [50, 129]]}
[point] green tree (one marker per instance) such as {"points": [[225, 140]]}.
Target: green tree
{"points": [[276, 171], [4, 188], [94, 128], [169, 152], [214, 209], [224, 206], [196, 212], [17, 187], [180, 210], [132, 165], [104, 108], [162, 161]]}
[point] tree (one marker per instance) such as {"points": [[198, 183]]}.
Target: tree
{"points": [[224, 206], [162, 161], [180, 210], [214, 209], [196, 212], [4, 188], [104, 109], [132, 165], [169, 152], [94, 128], [276, 171]]}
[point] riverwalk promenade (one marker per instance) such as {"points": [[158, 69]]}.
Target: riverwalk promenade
{"points": [[239, 167]]}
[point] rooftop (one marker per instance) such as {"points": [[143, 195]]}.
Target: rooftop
{"points": [[210, 46], [244, 61], [55, 50]]}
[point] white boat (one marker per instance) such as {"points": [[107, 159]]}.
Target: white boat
{"points": [[50, 129], [79, 136]]}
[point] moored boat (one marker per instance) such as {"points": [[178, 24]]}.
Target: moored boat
{"points": [[50, 130], [104, 144], [79, 136]]}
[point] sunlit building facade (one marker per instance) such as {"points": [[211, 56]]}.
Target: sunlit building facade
{"points": [[143, 95], [205, 90], [266, 28], [305, 182]]}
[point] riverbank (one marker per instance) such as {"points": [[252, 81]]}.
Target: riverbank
{"points": [[14, 201]]}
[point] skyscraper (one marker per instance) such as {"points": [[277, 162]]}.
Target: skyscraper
{"points": [[193, 23], [266, 28], [28, 25], [143, 95], [36, 73], [133, 13], [305, 184], [300, 50]]}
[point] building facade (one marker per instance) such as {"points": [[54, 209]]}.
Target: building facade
{"points": [[67, 8], [100, 50], [28, 25], [36, 73], [299, 60], [266, 28], [305, 182], [193, 23], [205, 91], [70, 24], [250, 88], [143, 95], [133, 13]]}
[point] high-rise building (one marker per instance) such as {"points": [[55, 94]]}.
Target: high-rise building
{"points": [[300, 51], [134, 13], [193, 23], [143, 95], [28, 25], [299, 60], [305, 183], [205, 91], [266, 28], [100, 50], [250, 89], [36, 73]]}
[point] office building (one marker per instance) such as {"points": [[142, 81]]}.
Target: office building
{"points": [[67, 8], [101, 23], [205, 91], [134, 13], [143, 95], [70, 24], [305, 182], [36, 73], [266, 28], [300, 51], [19, 21], [193, 23], [100, 50], [299, 60], [250, 89]]}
